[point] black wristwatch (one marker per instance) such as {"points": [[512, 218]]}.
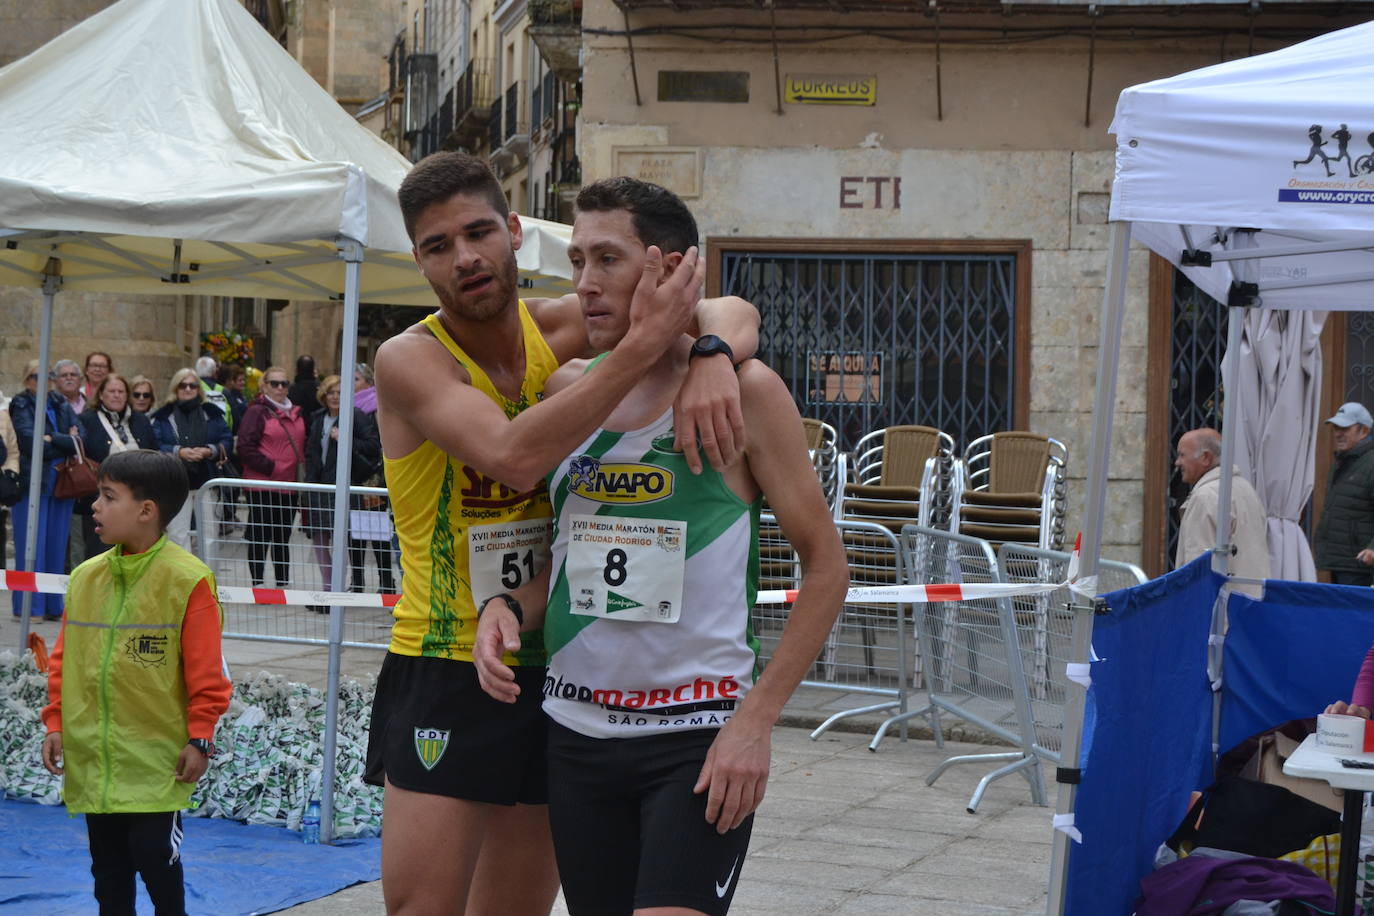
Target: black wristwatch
{"points": [[203, 745], [511, 603], [710, 345]]}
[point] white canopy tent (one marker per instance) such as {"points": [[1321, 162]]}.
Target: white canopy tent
{"points": [[173, 147], [1210, 173]]}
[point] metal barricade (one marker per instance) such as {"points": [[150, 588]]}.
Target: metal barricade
{"points": [[868, 650], [1045, 629], [277, 534], [973, 669]]}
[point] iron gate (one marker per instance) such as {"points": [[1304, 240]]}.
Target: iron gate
{"points": [[1198, 343], [867, 341]]}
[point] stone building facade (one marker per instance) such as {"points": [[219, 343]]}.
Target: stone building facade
{"points": [[843, 153]]}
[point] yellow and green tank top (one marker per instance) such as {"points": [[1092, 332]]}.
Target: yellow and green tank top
{"points": [[463, 535]]}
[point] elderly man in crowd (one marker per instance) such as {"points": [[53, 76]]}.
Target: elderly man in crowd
{"points": [[1199, 457], [1344, 540]]}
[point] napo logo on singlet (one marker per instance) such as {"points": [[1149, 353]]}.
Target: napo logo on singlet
{"points": [[430, 744], [618, 484]]}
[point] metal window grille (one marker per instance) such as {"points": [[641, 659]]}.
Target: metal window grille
{"points": [[1359, 357], [1195, 398], [867, 341]]}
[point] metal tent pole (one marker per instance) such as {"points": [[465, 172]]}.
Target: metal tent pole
{"points": [[52, 282], [1099, 453], [1221, 554], [1230, 416], [352, 254]]}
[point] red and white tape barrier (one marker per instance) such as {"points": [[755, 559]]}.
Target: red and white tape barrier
{"points": [[51, 583]]}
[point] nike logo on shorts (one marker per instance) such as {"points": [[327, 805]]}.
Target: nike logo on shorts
{"points": [[722, 888]]}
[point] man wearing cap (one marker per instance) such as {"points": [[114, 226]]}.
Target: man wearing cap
{"points": [[1344, 541], [1198, 462]]}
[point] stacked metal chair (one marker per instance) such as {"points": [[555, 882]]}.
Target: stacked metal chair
{"points": [[903, 474], [1010, 487], [830, 463]]}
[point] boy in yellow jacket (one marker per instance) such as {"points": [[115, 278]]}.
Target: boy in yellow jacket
{"points": [[130, 725]]}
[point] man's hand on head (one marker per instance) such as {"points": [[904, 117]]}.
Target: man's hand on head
{"points": [[707, 410], [662, 309]]}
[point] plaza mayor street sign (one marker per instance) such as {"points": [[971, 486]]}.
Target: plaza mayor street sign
{"points": [[830, 89]]}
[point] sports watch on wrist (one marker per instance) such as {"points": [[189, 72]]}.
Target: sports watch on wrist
{"points": [[710, 345], [511, 603], [203, 745]]}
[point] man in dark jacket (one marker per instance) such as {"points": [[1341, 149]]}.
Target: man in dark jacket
{"points": [[1344, 541], [305, 389]]}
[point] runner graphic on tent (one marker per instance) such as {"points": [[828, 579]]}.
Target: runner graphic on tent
{"points": [[1342, 138], [1314, 133]]}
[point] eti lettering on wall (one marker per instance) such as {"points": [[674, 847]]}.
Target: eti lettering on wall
{"points": [[871, 192]]}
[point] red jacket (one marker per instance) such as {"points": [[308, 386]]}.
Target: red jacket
{"points": [[271, 442]]}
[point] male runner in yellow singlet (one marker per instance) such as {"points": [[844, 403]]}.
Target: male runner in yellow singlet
{"points": [[467, 440]]}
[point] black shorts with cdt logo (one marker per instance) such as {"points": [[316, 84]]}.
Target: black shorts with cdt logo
{"points": [[629, 833], [435, 731]]}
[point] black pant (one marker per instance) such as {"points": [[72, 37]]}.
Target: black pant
{"points": [[1352, 577], [146, 844], [271, 515]]}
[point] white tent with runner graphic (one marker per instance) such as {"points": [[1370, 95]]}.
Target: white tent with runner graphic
{"points": [[173, 147], [1255, 177]]}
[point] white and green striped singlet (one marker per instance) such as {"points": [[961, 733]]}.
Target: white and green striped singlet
{"points": [[633, 649]]}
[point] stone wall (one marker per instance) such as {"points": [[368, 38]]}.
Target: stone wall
{"points": [[141, 333], [1054, 199]]}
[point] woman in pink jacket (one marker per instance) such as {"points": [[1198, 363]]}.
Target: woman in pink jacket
{"points": [[271, 446]]}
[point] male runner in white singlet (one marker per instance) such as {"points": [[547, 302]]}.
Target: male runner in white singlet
{"points": [[467, 436], [659, 732]]}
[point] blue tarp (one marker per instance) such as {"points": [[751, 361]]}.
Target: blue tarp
{"points": [[1147, 738], [1148, 734], [231, 868], [1292, 654]]}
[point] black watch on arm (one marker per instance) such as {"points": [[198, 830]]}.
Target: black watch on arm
{"points": [[710, 345], [205, 746], [511, 603]]}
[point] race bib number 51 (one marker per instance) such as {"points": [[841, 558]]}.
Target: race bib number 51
{"points": [[501, 558], [626, 568]]}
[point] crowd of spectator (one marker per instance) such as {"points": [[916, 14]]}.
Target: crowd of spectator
{"points": [[207, 417]]}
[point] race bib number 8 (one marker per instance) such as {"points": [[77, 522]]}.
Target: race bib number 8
{"points": [[626, 568], [501, 558]]}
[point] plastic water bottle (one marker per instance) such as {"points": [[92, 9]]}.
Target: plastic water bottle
{"points": [[310, 824]]}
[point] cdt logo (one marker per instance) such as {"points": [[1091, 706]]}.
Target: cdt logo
{"points": [[430, 744]]}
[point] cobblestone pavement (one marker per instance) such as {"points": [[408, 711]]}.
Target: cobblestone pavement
{"points": [[846, 831], [842, 831]]}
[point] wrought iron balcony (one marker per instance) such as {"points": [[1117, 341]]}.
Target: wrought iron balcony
{"points": [[513, 149], [473, 97], [494, 126], [556, 27]]}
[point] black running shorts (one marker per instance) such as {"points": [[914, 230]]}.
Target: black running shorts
{"points": [[627, 830], [435, 731]]}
